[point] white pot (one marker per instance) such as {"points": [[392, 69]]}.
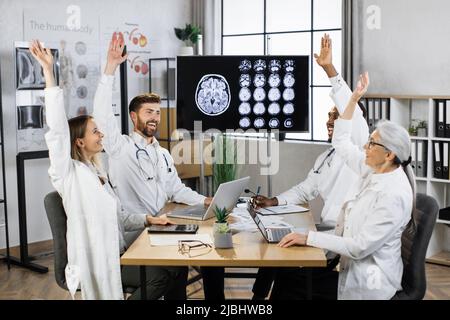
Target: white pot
{"points": [[186, 51]]}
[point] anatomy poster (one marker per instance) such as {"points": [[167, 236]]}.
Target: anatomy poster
{"points": [[243, 92]]}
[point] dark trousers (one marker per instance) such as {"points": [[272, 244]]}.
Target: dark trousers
{"points": [[291, 284], [213, 282], [169, 282]]}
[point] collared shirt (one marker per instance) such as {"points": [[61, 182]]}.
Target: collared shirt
{"points": [[369, 226], [330, 177], [144, 181]]}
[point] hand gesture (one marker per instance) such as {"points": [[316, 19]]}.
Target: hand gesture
{"points": [[325, 57], [262, 202], [161, 220], [42, 55], [115, 58], [361, 87], [293, 239]]}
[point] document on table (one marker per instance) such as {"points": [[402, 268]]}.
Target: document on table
{"points": [[172, 239], [289, 208]]}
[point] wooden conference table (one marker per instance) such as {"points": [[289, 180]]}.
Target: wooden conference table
{"points": [[250, 249]]}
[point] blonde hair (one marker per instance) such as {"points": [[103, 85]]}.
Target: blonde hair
{"points": [[77, 128]]}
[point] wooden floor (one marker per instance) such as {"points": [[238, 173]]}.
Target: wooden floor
{"points": [[20, 283]]}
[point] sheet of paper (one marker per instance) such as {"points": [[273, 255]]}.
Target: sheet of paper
{"points": [[172, 239], [289, 208]]}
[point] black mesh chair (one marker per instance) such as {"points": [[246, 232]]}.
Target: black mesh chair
{"points": [[415, 241]]}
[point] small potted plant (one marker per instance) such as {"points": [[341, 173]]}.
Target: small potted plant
{"points": [[190, 35], [421, 128], [412, 129], [221, 230]]}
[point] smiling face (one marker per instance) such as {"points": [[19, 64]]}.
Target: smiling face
{"points": [[91, 143], [147, 119], [377, 156]]}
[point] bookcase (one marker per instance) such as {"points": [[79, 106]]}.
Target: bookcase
{"points": [[408, 111]]}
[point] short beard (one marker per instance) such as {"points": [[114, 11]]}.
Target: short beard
{"points": [[142, 127]]}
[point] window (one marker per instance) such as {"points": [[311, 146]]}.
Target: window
{"points": [[288, 27]]}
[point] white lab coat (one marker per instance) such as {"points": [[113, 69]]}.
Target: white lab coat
{"points": [[136, 193], [334, 182], [92, 226], [369, 226]]}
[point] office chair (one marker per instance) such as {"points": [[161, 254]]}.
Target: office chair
{"points": [[58, 225], [415, 241]]}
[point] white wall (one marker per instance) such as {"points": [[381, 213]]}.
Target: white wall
{"points": [[160, 17]]}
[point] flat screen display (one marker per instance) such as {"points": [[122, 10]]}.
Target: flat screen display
{"points": [[243, 92]]}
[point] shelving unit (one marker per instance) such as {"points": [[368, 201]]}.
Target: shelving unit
{"points": [[3, 201], [403, 110]]}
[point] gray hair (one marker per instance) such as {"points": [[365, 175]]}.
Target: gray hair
{"points": [[395, 138]]}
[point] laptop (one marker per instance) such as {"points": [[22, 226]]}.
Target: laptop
{"points": [[271, 234], [227, 195]]}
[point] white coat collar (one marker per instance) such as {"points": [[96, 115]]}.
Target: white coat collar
{"points": [[141, 141]]}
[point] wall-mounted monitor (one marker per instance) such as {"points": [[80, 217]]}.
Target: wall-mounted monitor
{"points": [[243, 92]]}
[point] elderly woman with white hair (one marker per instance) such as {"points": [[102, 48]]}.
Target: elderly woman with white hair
{"points": [[370, 224]]}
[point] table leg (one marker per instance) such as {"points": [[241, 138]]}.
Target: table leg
{"points": [[143, 283], [309, 284]]}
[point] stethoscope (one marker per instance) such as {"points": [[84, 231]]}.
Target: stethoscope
{"points": [[138, 150], [325, 159]]}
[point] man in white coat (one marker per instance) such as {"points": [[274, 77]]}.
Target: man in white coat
{"points": [[142, 172], [329, 178]]}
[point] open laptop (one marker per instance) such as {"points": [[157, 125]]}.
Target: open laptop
{"points": [[271, 234], [227, 196]]}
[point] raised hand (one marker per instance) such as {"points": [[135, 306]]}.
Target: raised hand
{"points": [[115, 58], [42, 55], [325, 57], [361, 86], [45, 59]]}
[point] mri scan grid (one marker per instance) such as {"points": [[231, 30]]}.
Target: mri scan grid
{"points": [[242, 92], [269, 85]]}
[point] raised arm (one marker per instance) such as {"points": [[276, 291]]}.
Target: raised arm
{"points": [[103, 114], [58, 136], [353, 156], [341, 92]]}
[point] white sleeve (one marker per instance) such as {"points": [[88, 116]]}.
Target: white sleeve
{"points": [[58, 137], [104, 117], [176, 189], [352, 155], [341, 94], [381, 224], [306, 190]]}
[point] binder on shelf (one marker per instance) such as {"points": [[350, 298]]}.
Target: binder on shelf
{"points": [[447, 119], [421, 156], [444, 214], [440, 125], [437, 165], [370, 115], [377, 109], [413, 157], [445, 160], [385, 109]]}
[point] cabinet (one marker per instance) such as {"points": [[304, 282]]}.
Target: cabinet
{"points": [[408, 111], [3, 202]]}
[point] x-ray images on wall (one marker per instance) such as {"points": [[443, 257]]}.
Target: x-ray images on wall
{"points": [[243, 92], [29, 75]]}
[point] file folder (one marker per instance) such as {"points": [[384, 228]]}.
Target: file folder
{"points": [[370, 115], [437, 165], [445, 161], [377, 109], [447, 119], [421, 159], [413, 157], [440, 125], [385, 109]]}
